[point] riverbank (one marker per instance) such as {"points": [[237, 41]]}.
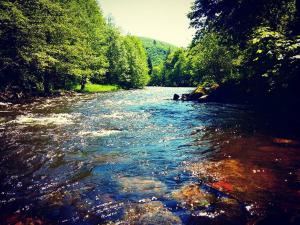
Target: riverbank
{"points": [[14, 95], [282, 100], [280, 109], [97, 88]]}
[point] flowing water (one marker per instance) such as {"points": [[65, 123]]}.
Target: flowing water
{"points": [[137, 157]]}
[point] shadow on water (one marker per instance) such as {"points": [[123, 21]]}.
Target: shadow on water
{"points": [[136, 157]]}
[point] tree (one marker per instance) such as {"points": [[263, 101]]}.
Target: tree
{"points": [[150, 66], [157, 51], [257, 45], [72, 44], [28, 58], [211, 61], [237, 19], [137, 74], [67, 47], [156, 76], [115, 55]]}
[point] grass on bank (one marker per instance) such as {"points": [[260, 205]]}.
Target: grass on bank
{"points": [[97, 88]]}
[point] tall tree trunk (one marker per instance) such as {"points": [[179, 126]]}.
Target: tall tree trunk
{"points": [[297, 25], [83, 82], [46, 84]]}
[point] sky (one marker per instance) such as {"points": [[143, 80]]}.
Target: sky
{"points": [[164, 20]]}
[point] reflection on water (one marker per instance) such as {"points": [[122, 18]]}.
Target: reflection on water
{"points": [[137, 157]]}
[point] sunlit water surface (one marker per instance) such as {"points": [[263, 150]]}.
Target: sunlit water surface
{"points": [[137, 157]]}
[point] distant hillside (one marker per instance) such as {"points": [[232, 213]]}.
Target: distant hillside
{"points": [[157, 50]]}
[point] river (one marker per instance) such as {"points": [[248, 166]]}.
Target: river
{"points": [[138, 157]]}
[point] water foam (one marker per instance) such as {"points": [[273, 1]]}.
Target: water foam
{"points": [[54, 119], [100, 133]]}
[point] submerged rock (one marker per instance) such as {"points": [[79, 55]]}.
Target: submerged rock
{"points": [[191, 196], [207, 208], [144, 185], [229, 211], [225, 170], [222, 186], [285, 142], [152, 212], [248, 183], [159, 218], [61, 197], [19, 220]]}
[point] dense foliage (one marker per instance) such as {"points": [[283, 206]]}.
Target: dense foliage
{"points": [[157, 51], [252, 46], [47, 45], [259, 44], [207, 61], [50, 45]]}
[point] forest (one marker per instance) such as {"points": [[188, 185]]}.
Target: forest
{"points": [[46, 46], [248, 49], [157, 51], [224, 150]]}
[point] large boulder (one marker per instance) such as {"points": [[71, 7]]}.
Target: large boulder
{"points": [[186, 97], [201, 93], [176, 97]]}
